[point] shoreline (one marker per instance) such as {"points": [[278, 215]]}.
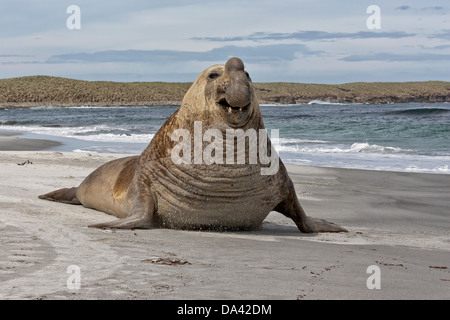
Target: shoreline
{"points": [[24, 105], [29, 91], [396, 221], [21, 105], [12, 141], [26, 141]]}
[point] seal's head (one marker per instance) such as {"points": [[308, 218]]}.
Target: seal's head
{"points": [[231, 88], [228, 94]]}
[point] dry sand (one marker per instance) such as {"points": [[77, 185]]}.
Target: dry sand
{"points": [[397, 221]]}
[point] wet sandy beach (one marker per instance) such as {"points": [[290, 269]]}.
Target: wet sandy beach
{"points": [[396, 221]]}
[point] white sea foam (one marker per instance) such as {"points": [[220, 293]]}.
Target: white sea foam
{"points": [[114, 148], [354, 148], [111, 137], [90, 133], [326, 102], [55, 130], [78, 107], [438, 169], [293, 140], [365, 147]]}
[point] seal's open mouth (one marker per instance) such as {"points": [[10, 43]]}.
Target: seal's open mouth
{"points": [[227, 108]]}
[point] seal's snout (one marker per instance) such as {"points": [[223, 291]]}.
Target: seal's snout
{"points": [[234, 64], [238, 92], [232, 90]]}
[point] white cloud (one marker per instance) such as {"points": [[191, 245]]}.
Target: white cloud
{"points": [[284, 40]]}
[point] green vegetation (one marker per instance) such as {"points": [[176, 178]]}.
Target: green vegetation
{"points": [[358, 92], [45, 91]]}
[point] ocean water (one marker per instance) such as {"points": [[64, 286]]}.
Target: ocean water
{"points": [[411, 137]]}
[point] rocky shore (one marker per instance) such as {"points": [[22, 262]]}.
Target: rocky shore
{"points": [[53, 91]]}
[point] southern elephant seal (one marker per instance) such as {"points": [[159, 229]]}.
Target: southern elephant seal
{"points": [[195, 183]]}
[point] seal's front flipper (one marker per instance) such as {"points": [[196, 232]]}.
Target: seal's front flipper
{"points": [[291, 208], [126, 223], [321, 225], [140, 218], [65, 195], [306, 224]]}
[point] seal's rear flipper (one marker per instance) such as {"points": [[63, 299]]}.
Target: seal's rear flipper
{"points": [[65, 195]]}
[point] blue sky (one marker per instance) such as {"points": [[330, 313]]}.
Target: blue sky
{"points": [[320, 41]]}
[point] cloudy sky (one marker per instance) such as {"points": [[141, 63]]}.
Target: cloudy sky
{"points": [[321, 41]]}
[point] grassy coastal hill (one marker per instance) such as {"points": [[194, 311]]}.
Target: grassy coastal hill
{"points": [[45, 91]]}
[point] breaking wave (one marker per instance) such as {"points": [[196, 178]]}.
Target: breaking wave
{"points": [[326, 102], [354, 148], [438, 169], [101, 133]]}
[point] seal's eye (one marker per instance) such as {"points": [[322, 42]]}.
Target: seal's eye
{"points": [[213, 75], [248, 76]]}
